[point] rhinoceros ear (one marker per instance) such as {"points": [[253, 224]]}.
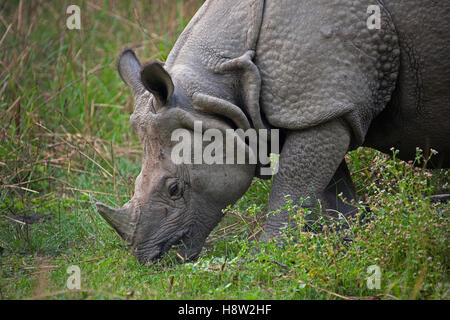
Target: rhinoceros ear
{"points": [[156, 80], [129, 67]]}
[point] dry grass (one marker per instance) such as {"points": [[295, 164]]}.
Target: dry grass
{"points": [[44, 72]]}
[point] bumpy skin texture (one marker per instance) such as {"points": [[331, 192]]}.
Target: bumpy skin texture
{"points": [[312, 69], [308, 161], [326, 65], [418, 113]]}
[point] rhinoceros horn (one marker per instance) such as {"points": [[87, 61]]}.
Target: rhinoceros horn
{"points": [[122, 219]]}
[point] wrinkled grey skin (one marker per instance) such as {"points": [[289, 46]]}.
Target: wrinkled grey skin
{"points": [[309, 68]]}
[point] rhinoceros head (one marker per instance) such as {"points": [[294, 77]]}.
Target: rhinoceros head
{"points": [[173, 203]]}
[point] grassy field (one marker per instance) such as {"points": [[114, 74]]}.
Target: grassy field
{"points": [[66, 143]]}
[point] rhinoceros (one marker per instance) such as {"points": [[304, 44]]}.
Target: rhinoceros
{"points": [[330, 75]]}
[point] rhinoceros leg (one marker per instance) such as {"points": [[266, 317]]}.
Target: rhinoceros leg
{"points": [[308, 161], [341, 183], [440, 198]]}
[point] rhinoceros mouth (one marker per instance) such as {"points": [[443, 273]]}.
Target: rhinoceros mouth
{"points": [[161, 249], [176, 240]]}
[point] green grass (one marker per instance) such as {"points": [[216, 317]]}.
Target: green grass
{"points": [[66, 143]]}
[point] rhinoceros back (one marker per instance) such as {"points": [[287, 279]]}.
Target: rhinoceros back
{"points": [[319, 61], [216, 34]]}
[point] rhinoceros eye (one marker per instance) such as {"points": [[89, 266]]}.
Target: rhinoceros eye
{"points": [[175, 190]]}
